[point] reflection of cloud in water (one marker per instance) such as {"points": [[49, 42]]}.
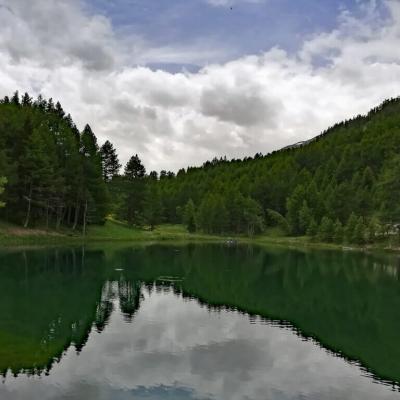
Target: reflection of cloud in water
{"points": [[176, 349]]}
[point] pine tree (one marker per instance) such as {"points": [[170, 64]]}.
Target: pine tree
{"points": [[359, 232], [189, 216], [372, 230], [389, 191], [110, 162], [338, 232], [350, 227], [305, 216], [3, 182], [152, 206], [294, 204], [136, 190], [15, 98], [134, 168], [312, 229], [26, 100], [94, 193], [325, 232]]}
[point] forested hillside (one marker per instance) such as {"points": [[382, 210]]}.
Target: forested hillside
{"points": [[342, 186]]}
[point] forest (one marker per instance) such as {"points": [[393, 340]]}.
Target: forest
{"points": [[343, 186]]}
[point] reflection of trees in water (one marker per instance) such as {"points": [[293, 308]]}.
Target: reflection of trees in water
{"points": [[50, 300], [104, 307], [129, 294]]}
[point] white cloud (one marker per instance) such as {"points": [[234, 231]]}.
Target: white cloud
{"points": [[252, 104]]}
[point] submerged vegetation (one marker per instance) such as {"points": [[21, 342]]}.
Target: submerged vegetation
{"points": [[340, 187]]}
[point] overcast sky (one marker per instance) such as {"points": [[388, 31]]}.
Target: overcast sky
{"points": [[180, 81]]}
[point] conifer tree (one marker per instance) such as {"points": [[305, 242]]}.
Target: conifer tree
{"points": [[326, 232], [312, 229], [134, 175], [338, 232], [110, 162], [294, 204], [189, 216], [305, 216], [359, 232], [3, 182], [350, 228], [152, 205]]}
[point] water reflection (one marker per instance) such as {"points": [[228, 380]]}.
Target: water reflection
{"points": [[156, 323]]}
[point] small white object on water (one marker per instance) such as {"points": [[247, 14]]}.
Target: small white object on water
{"points": [[119, 269]]}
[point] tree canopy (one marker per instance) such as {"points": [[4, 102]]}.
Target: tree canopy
{"points": [[341, 185]]}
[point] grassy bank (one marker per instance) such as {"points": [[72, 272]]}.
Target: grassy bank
{"points": [[115, 231], [111, 231]]}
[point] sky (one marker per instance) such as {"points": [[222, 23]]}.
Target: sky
{"points": [[182, 81]]}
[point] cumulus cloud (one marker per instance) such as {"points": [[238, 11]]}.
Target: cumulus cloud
{"points": [[252, 104]]}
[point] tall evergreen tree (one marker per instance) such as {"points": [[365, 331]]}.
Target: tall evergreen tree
{"points": [[3, 182], [110, 162], [152, 205], [189, 216], [134, 176]]}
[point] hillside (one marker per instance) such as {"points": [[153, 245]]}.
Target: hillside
{"points": [[341, 186], [350, 170]]}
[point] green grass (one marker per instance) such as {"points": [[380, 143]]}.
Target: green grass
{"points": [[116, 231], [111, 231]]}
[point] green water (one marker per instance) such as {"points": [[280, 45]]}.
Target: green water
{"points": [[198, 322]]}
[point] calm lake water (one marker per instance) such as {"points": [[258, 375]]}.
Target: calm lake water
{"points": [[198, 322]]}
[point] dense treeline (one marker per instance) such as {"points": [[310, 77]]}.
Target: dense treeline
{"points": [[341, 186], [53, 172]]}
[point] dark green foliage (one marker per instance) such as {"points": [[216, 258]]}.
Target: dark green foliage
{"points": [[189, 216], [110, 162], [352, 167], [294, 205], [338, 232], [135, 191], [275, 219], [326, 230], [212, 215], [53, 171], [134, 169], [389, 190], [3, 182], [152, 205], [305, 217], [348, 174], [312, 229], [359, 232], [350, 228]]}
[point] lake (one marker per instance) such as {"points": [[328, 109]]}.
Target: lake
{"points": [[198, 322]]}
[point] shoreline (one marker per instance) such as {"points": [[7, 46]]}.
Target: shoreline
{"points": [[167, 234]]}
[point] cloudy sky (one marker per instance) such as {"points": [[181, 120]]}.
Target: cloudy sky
{"points": [[181, 81]]}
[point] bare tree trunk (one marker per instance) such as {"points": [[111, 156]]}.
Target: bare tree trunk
{"points": [[47, 215], [60, 216], [69, 215], [84, 218], [77, 207], [28, 211]]}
